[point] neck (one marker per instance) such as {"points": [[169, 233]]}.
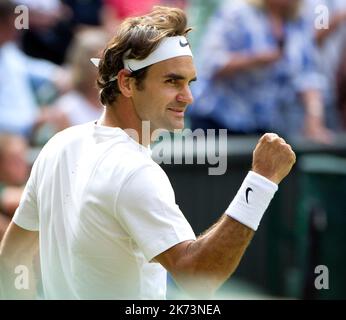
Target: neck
{"points": [[122, 114]]}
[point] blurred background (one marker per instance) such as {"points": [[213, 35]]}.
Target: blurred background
{"points": [[263, 66]]}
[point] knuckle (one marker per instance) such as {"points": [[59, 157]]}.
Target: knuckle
{"points": [[269, 135], [282, 141], [264, 137], [277, 141], [293, 155]]}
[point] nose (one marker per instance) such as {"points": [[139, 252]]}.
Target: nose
{"points": [[185, 96]]}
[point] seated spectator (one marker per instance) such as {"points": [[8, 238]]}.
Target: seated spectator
{"points": [[53, 24], [82, 103], [50, 31], [257, 72], [14, 170], [331, 40], [21, 77]]}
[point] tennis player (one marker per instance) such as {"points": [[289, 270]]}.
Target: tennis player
{"points": [[102, 213]]}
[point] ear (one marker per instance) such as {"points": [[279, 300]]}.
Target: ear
{"points": [[125, 82]]}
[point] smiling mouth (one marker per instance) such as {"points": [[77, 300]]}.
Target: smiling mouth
{"points": [[178, 112]]}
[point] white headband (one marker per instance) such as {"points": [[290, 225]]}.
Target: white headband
{"points": [[169, 47]]}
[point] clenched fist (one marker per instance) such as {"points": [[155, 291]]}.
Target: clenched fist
{"points": [[273, 158]]}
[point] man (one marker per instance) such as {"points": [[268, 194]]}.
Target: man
{"points": [[103, 214]]}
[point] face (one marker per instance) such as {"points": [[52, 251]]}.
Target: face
{"points": [[166, 93]]}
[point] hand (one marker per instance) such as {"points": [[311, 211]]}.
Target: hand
{"points": [[315, 130], [273, 158]]}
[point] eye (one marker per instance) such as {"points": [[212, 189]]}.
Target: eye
{"points": [[171, 81]]}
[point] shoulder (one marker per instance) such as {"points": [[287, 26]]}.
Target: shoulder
{"points": [[70, 134], [139, 165], [63, 139], [143, 171], [146, 187]]}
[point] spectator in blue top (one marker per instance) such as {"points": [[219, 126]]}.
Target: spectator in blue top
{"points": [[257, 72], [330, 34]]}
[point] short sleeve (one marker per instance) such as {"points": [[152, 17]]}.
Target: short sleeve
{"points": [[146, 209], [26, 215]]}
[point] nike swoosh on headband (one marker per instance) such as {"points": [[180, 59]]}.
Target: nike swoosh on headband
{"points": [[182, 44]]}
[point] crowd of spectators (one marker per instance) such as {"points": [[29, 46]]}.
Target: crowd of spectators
{"points": [[262, 65], [268, 66]]}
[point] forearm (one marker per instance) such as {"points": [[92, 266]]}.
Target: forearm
{"points": [[242, 62], [17, 251], [313, 104], [315, 127], [201, 266], [214, 256]]}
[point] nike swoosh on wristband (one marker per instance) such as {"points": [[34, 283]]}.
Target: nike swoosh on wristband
{"points": [[247, 194], [182, 44]]}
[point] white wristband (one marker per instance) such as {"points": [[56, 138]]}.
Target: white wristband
{"points": [[252, 200]]}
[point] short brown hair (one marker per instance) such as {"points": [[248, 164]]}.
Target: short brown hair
{"points": [[142, 35]]}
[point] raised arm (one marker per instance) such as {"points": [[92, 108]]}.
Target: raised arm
{"points": [[17, 251], [201, 266], [243, 62]]}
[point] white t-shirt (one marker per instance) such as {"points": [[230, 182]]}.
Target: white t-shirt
{"points": [[103, 209]]}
